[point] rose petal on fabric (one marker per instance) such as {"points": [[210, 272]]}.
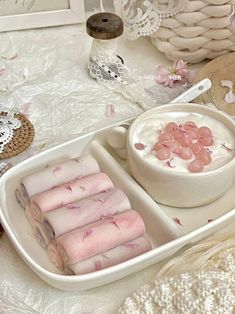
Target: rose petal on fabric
{"points": [[226, 83], [230, 97], [25, 108], [110, 110], [2, 71]]}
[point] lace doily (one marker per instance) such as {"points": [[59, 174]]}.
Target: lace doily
{"points": [[142, 18], [207, 287], [8, 123]]}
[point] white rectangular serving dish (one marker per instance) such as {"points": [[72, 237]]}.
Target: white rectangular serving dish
{"points": [[166, 236]]}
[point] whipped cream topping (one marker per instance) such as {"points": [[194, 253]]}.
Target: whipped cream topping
{"points": [[148, 130]]}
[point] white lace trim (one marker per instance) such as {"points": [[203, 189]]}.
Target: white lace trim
{"points": [[8, 123], [105, 65], [142, 18]]}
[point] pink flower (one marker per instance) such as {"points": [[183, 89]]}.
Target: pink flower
{"points": [[178, 73], [110, 110]]}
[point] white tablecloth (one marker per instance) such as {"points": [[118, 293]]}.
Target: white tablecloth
{"points": [[46, 78]]}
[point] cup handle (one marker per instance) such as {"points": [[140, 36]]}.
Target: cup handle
{"points": [[116, 138]]}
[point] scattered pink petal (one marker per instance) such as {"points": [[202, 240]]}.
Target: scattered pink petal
{"points": [[10, 58], [56, 169], [113, 221], [99, 200], [169, 163], [68, 187], [226, 83], [111, 218], [110, 110], [230, 97], [25, 108], [228, 148], [131, 245], [87, 233], [107, 216], [140, 146], [210, 220], [98, 265], [72, 206], [2, 71], [177, 220]]}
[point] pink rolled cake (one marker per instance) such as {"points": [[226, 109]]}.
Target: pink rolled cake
{"points": [[111, 257], [67, 193], [85, 211], [40, 235], [21, 200], [52, 176], [95, 238], [38, 230]]}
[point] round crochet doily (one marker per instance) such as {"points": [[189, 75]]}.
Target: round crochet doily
{"points": [[21, 138], [218, 70]]}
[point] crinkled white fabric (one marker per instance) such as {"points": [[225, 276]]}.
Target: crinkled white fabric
{"points": [[142, 18], [46, 78]]}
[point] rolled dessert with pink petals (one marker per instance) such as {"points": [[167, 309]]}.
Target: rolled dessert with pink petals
{"points": [[85, 211], [40, 235], [38, 230], [51, 176], [112, 257], [68, 193], [95, 238], [21, 200]]}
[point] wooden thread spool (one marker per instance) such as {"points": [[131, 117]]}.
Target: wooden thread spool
{"points": [[104, 64], [104, 26]]}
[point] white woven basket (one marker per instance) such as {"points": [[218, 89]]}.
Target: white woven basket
{"points": [[203, 30]]}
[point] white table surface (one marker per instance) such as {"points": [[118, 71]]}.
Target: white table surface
{"points": [[48, 81]]}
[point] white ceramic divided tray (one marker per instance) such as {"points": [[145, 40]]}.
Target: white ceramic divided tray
{"points": [[166, 236]]}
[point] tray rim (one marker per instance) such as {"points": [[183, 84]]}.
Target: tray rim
{"points": [[150, 256]]}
